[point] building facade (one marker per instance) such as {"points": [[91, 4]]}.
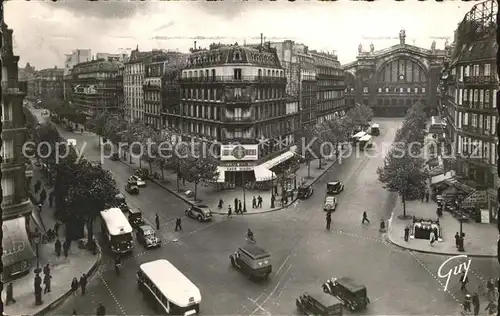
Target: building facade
{"points": [[469, 106], [76, 57], [27, 74], [330, 87], [49, 85], [236, 95], [117, 57], [96, 86], [391, 80], [18, 254]]}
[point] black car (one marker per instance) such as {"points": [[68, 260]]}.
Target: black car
{"points": [[334, 187], [135, 218], [352, 294], [305, 191], [200, 212], [132, 188], [319, 304], [146, 235], [121, 202]]}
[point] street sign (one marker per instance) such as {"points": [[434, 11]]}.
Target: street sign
{"points": [[477, 197]]}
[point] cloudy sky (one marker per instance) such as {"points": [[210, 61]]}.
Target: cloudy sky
{"points": [[45, 31]]}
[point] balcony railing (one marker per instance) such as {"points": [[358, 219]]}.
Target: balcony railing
{"points": [[237, 119], [150, 86], [233, 79], [471, 129], [8, 200], [20, 87], [480, 79], [238, 99]]}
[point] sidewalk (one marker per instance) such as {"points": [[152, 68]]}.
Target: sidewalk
{"points": [[63, 270], [207, 194]]}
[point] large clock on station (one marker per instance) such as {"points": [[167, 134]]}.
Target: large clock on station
{"points": [[401, 77]]}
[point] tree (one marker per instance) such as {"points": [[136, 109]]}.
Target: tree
{"points": [[180, 152], [403, 173], [197, 168], [98, 122], [334, 133], [360, 115], [308, 146]]}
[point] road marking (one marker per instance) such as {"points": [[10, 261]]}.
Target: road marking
{"points": [[122, 309], [259, 306], [282, 265], [272, 292]]}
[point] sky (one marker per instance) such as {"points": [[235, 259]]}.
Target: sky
{"points": [[45, 31]]}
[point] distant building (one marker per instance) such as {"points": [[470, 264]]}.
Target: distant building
{"points": [[76, 57], [17, 209], [469, 106], [49, 85], [391, 80], [27, 74], [116, 57], [236, 94], [97, 86]]}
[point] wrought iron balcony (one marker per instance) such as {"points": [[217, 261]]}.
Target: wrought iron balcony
{"points": [[235, 80], [238, 99], [8, 200], [480, 79], [238, 119], [13, 87]]}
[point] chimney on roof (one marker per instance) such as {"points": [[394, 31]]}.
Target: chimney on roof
{"points": [[261, 39], [195, 45]]}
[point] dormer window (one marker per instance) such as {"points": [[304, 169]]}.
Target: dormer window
{"points": [[237, 56]]}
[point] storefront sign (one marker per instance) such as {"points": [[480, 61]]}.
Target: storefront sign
{"points": [[445, 271], [15, 247], [238, 168], [485, 216], [478, 197], [239, 152]]}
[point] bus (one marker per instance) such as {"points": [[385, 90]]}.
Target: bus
{"points": [[117, 229], [365, 142], [357, 137], [437, 125], [171, 291]]}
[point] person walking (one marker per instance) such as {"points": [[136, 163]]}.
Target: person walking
{"points": [[157, 221], [457, 240], [475, 303], [46, 282], [463, 282], [240, 208], [229, 211], [66, 248], [178, 223], [83, 283], [51, 198], [10, 294], [221, 203], [74, 285], [43, 196], [259, 201], [57, 246], [254, 202], [56, 228], [46, 269], [101, 310], [365, 218], [407, 233], [427, 195], [491, 308], [235, 204], [432, 238], [273, 199], [328, 220]]}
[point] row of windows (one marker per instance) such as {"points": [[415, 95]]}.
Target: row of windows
{"points": [[477, 149], [476, 98], [391, 90], [487, 124], [99, 75], [329, 105], [133, 69], [207, 94], [211, 112], [472, 70], [329, 83], [133, 80], [134, 92], [329, 95], [331, 116], [152, 108], [406, 102], [237, 72], [153, 121], [329, 71], [152, 96]]}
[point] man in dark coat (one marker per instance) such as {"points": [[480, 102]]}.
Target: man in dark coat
{"points": [[272, 200], [328, 220], [57, 245], [235, 204], [178, 224], [46, 281], [66, 248], [365, 218], [10, 294], [157, 221], [240, 208], [259, 201], [475, 303], [56, 228], [83, 283], [46, 269], [254, 202], [43, 196], [463, 282], [457, 240], [407, 233]]}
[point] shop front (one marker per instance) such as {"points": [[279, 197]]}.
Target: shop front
{"points": [[18, 255]]}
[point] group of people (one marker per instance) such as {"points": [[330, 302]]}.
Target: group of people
{"points": [[82, 284], [178, 223], [472, 301], [65, 247], [38, 286]]}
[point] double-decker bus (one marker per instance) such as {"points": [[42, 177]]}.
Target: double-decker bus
{"points": [[117, 229], [168, 289]]}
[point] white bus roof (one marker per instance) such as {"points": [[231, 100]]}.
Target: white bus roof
{"points": [[360, 134], [172, 283], [375, 125], [116, 222], [365, 138]]}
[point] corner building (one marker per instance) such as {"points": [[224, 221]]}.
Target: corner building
{"points": [[391, 80], [18, 255], [235, 95]]}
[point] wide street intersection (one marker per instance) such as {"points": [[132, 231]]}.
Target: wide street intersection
{"points": [[304, 254]]}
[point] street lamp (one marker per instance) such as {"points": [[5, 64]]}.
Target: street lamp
{"points": [[461, 240], [38, 281], [244, 194], [37, 238]]}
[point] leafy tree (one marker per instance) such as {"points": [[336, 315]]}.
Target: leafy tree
{"points": [[98, 123], [176, 161], [359, 115], [196, 169], [403, 174], [150, 140], [308, 146]]}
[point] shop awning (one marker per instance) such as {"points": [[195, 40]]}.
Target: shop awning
{"points": [[277, 160], [16, 244], [442, 177], [263, 174], [222, 175]]}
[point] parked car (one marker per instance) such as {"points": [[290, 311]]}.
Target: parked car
{"points": [[375, 129], [140, 183], [320, 304], [146, 235], [121, 202], [305, 191], [132, 188], [200, 212], [352, 294], [69, 128], [334, 187], [330, 203], [135, 218], [252, 261]]}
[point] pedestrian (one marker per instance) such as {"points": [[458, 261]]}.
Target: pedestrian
{"points": [[467, 303], [83, 283], [46, 269], [221, 203], [240, 208], [10, 294], [101, 310], [178, 224], [56, 228], [365, 218], [328, 220], [229, 211], [259, 201], [422, 196], [74, 285], [57, 245], [254, 202], [46, 282], [475, 303], [235, 204], [463, 282], [382, 225], [427, 196], [37, 186], [157, 221], [74, 312], [491, 308], [66, 249], [39, 207], [43, 196], [432, 237], [407, 233], [490, 286], [51, 198], [457, 240]]}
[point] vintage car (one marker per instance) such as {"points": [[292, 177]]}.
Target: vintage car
{"points": [[253, 261], [319, 304], [330, 203], [375, 129], [305, 191], [132, 188], [135, 218], [200, 212], [121, 202], [352, 294], [334, 187], [146, 235], [140, 183]]}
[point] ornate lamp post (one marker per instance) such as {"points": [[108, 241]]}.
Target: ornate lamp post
{"points": [[37, 238], [38, 280]]}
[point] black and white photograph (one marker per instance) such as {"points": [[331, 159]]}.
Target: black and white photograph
{"points": [[258, 158]]}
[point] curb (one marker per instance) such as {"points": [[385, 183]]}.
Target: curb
{"points": [[63, 297], [220, 213]]}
